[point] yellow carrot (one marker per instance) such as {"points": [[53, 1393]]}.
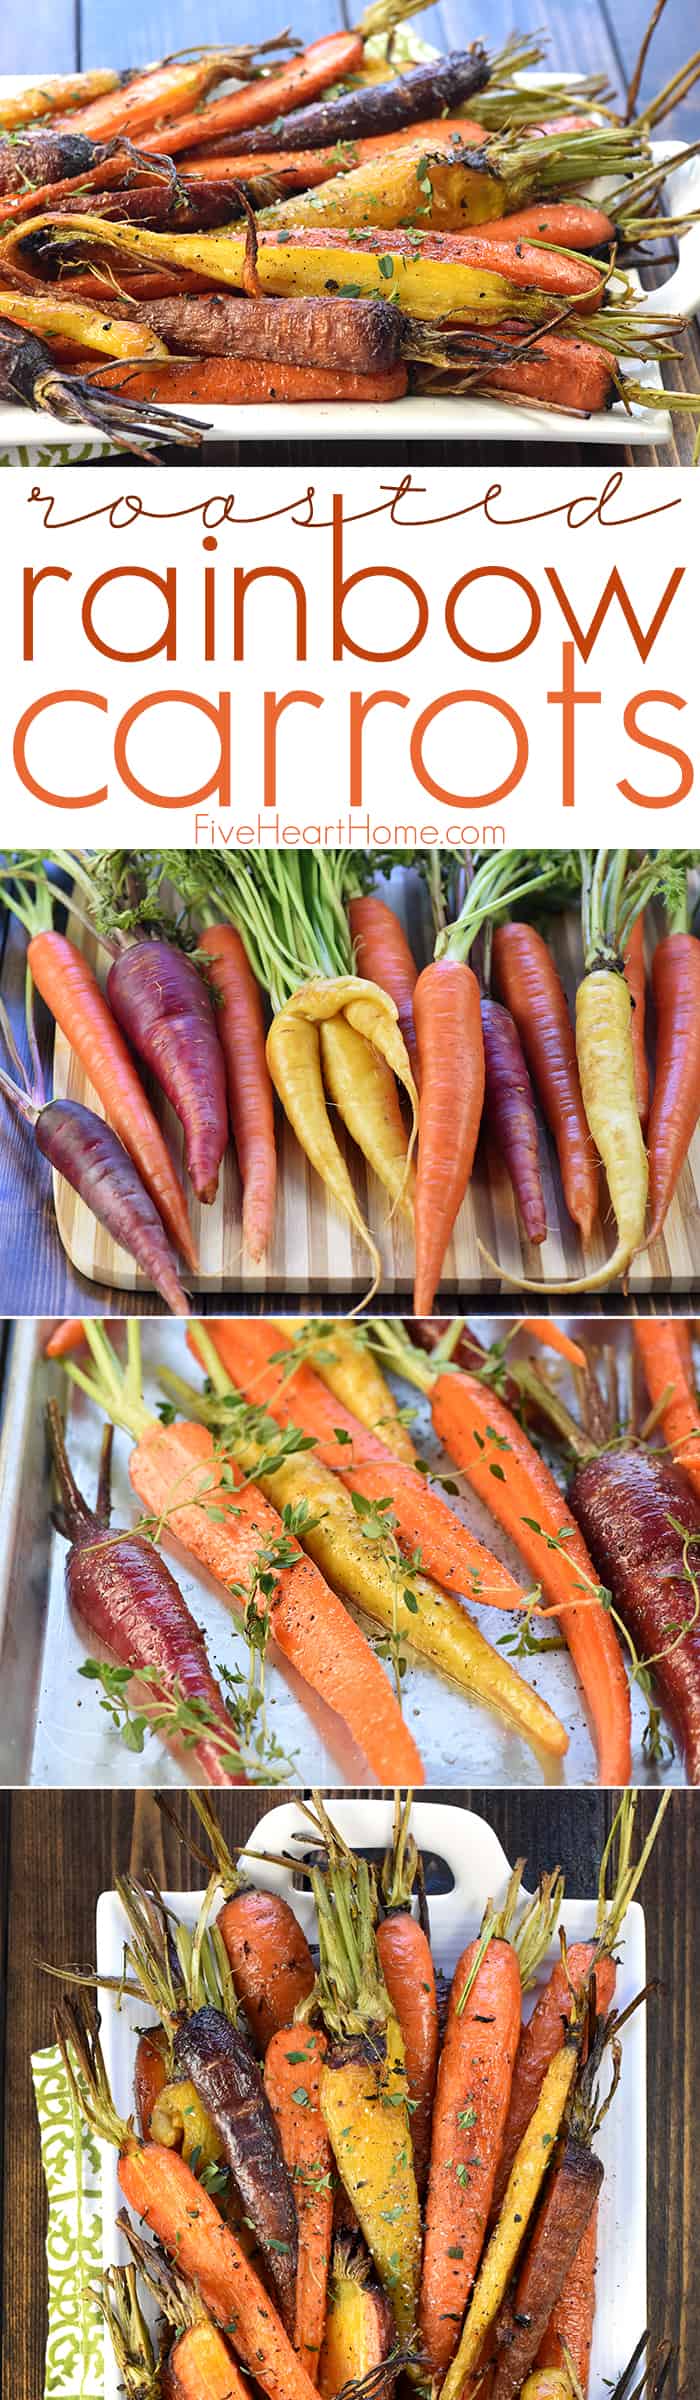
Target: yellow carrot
{"points": [[363, 2103], [524, 2183], [88, 328], [406, 186], [362, 1088], [349, 1368]]}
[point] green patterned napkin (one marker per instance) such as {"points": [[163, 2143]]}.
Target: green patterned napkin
{"points": [[71, 2163], [52, 454]]}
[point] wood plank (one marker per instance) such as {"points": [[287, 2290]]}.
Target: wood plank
{"points": [[313, 1250], [131, 36], [44, 43], [60, 1858]]}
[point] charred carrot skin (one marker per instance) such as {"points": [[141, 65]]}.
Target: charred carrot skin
{"points": [[214, 2055], [235, 116], [562, 2221], [570, 2326], [469, 2116], [640, 1515]]}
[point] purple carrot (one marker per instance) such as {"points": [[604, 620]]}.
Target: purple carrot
{"points": [[93, 1160], [641, 1520], [162, 1004], [121, 1591], [215, 2056], [511, 1115]]}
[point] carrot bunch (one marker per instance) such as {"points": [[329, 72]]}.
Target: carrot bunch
{"points": [[488, 2269]]}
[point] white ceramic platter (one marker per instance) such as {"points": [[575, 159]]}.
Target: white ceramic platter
{"points": [[480, 1872], [420, 419]]}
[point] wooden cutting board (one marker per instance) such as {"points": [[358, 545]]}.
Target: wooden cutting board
{"points": [[314, 1250]]}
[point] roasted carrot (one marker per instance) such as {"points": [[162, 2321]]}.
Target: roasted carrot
{"points": [[529, 984], [150, 2074], [385, 957], [566, 2213], [471, 2104], [359, 2325], [293, 2062], [561, 371], [663, 1345], [544, 2030], [162, 93], [635, 978], [573, 224], [70, 990], [326, 61], [200, 2366], [307, 167], [570, 2328], [406, 1962], [358, 336], [266, 1946], [675, 980], [214, 2054], [165, 2194], [342, 1357], [240, 1026], [211, 1507], [260, 1360], [524, 2184], [219, 382], [65, 92]]}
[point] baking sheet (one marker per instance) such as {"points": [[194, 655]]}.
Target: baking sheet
{"points": [[476, 419], [480, 1871], [52, 1728]]}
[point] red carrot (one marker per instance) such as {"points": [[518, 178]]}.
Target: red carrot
{"points": [[510, 1114], [162, 1004], [635, 978], [639, 1515], [241, 1030], [123, 1593], [447, 1008], [385, 957], [675, 978], [531, 989]]}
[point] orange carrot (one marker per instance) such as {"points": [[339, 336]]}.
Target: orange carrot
{"points": [[471, 2106], [570, 2327], [543, 2036], [385, 957], [307, 167], [326, 61], [200, 2367], [269, 1955], [407, 1966], [561, 371], [447, 1009], [259, 1361], [635, 978], [163, 91], [169, 1467], [551, 1335], [530, 986], [293, 2064], [574, 224], [72, 993], [558, 273], [241, 1029], [494, 1453], [150, 2074], [675, 980], [663, 1344], [219, 382], [167, 2197]]}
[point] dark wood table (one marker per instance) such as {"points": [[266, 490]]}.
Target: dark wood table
{"points": [[56, 1854], [586, 34]]}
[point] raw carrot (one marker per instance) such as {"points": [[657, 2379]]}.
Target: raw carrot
{"points": [[509, 1114], [675, 980], [552, 1336], [384, 956], [363, 1089], [220, 382], [531, 988], [663, 1346], [329, 60], [169, 1467], [447, 1009], [344, 1361], [293, 2062], [635, 978], [260, 1362], [241, 1030], [471, 2104], [70, 990]]}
